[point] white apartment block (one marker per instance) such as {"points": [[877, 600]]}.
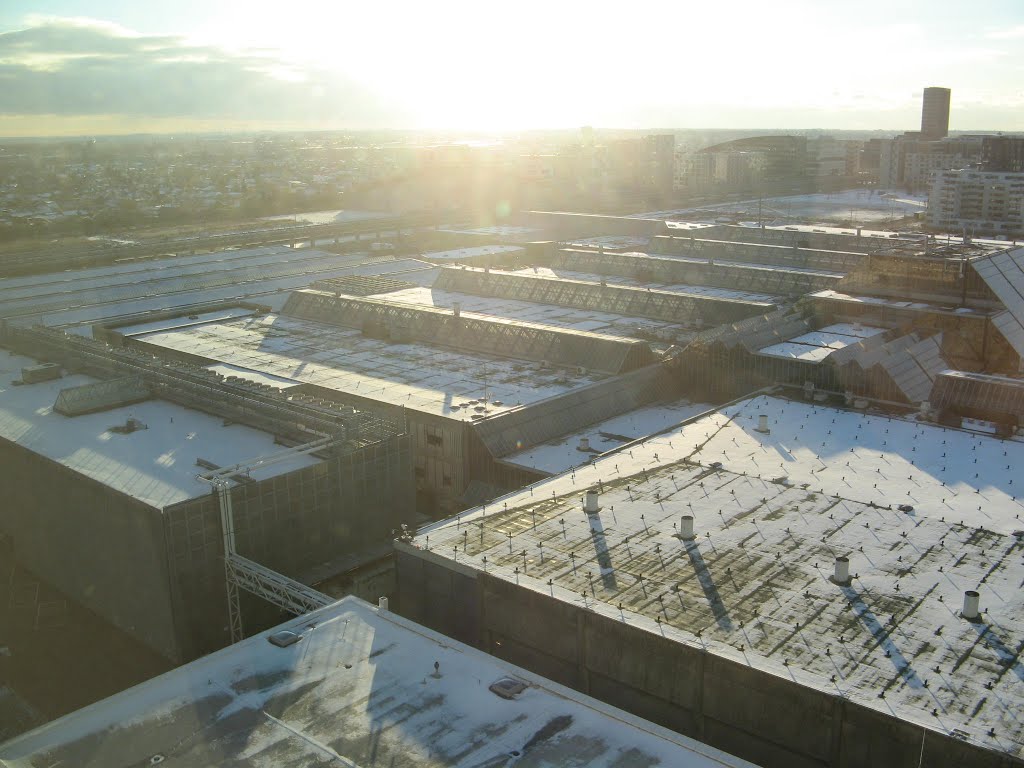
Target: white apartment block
{"points": [[977, 203]]}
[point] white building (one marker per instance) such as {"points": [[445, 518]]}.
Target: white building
{"points": [[977, 202]]}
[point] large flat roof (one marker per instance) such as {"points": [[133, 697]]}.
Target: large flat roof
{"points": [[680, 288], [418, 376], [156, 465], [591, 320], [772, 512], [359, 689], [264, 275], [471, 252]]}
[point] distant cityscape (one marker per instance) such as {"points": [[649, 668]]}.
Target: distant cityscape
{"points": [[101, 187]]}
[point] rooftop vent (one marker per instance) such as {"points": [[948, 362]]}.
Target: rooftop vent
{"points": [[971, 601], [508, 688], [43, 372], [284, 638], [841, 575], [590, 503], [686, 528]]}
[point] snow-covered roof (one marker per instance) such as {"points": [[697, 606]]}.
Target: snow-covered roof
{"points": [[563, 454], [924, 513], [572, 318], [419, 376], [471, 252], [120, 290], [817, 345], [360, 688], [156, 464]]}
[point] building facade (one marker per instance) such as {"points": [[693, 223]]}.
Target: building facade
{"points": [[977, 202], [935, 113]]}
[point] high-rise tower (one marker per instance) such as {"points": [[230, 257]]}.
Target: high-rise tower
{"points": [[935, 113]]}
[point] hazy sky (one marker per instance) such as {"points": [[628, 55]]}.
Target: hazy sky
{"points": [[98, 66]]}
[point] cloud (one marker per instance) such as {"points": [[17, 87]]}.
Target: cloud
{"points": [[83, 67], [1010, 33]]}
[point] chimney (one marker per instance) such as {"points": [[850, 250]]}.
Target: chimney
{"points": [[971, 600], [841, 575], [590, 504], [686, 528]]}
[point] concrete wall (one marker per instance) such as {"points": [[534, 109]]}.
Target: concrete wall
{"points": [[296, 523], [769, 720], [103, 549], [158, 575]]}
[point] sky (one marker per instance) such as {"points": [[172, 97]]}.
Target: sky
{"points": [[124, 66]]}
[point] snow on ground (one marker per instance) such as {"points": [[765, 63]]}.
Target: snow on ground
{"points": [[360, 688], [156, 465], [561, 455], [328, 217], [860, 205]]}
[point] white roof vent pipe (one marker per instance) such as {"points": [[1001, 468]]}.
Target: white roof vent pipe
{"points": [[457, 308], [971, 602], [841, 575], [382, 604], [686, 528], [762, 424], [584, 444], [590, 505]]}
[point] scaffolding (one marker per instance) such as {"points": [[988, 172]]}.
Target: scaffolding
{"points": [[850, 242], [993, 398], [903, 276], [257, 405], [798, 254], [663, 269], [241, 572], [404, 323]]}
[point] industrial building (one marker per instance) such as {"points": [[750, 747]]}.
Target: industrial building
{"points": [[126, 465], [794, 583], [350, 684], [383, 392]]}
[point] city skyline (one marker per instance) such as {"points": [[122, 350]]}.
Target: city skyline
{"points": [[72, 67]]}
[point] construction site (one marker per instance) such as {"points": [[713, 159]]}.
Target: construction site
{"points": [[469, 401]]}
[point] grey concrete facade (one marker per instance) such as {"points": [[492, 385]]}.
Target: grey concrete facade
{"points": [[158, 574], [757, 716]]}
